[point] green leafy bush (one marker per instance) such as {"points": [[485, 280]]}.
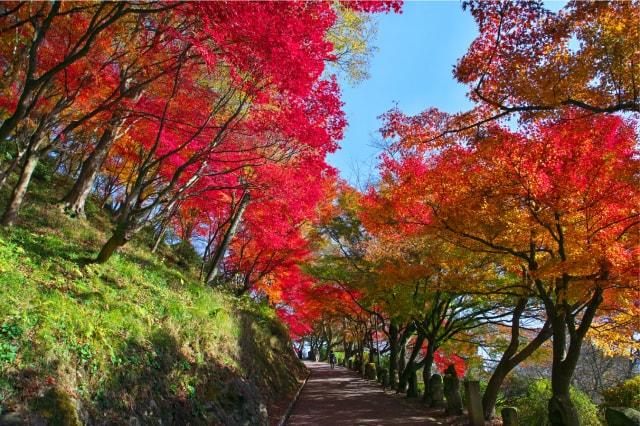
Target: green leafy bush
{"points": [[532, 407], [626, 394]]}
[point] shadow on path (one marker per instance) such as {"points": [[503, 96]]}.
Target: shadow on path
{"points": [[339, 397]]}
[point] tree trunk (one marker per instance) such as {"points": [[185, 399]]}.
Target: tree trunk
{"points": [[347, 351], [411, 362], [562, 412], [426, 372], [510, 359], [393, 355], [221, 250], [19, 191], [412, 380], [159, 239], [490, 396], [164, 224], [118, 239], [402, 377], [76, 198], [361, 354]]}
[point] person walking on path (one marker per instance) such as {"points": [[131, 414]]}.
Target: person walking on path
{"points": [[332, 359]]}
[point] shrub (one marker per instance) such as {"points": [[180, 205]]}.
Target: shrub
{"points": [[532, 407], [626, 394]]}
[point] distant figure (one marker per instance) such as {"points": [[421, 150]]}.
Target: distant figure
{"points": [[300, 353], [332, 359]]}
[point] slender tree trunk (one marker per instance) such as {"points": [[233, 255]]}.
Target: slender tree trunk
{"points": [[347, 350], [75, 200], [165, 224], [411, 363], [362, 360], [377, 344], [393, 354], [19, 191], [511, 358], [107, 196], [160, 238], [124, 229], [402, 365], [221, 250]]}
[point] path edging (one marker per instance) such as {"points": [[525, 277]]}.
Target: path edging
{"points": [[287, 413]]}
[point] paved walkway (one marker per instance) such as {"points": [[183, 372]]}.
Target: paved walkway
{"points": [[339, 397]]}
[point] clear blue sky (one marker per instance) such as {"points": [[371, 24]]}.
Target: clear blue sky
{"points": [[412, 67]]}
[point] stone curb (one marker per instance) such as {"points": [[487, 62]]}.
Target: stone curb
{"points": [[287, 413]]}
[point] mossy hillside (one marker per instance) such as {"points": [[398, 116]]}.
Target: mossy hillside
{"points": [[119, 335]]}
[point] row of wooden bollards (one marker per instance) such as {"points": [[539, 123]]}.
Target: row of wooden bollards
{"points": [[445, 393]]}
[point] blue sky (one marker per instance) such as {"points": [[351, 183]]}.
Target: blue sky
{"points": [[412, 67]]}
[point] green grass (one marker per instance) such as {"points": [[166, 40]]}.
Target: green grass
{"points": [[116, 334]]}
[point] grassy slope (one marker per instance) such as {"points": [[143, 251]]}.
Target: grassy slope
{"points": [[136, 337]]}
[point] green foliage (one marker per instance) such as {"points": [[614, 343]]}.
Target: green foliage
{"points": [[9, 333], [8, 352], [352, 36], [626, 394], [10, 330], [532, 407]]}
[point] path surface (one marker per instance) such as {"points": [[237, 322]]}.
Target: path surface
{"points": [[339, 397]]}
